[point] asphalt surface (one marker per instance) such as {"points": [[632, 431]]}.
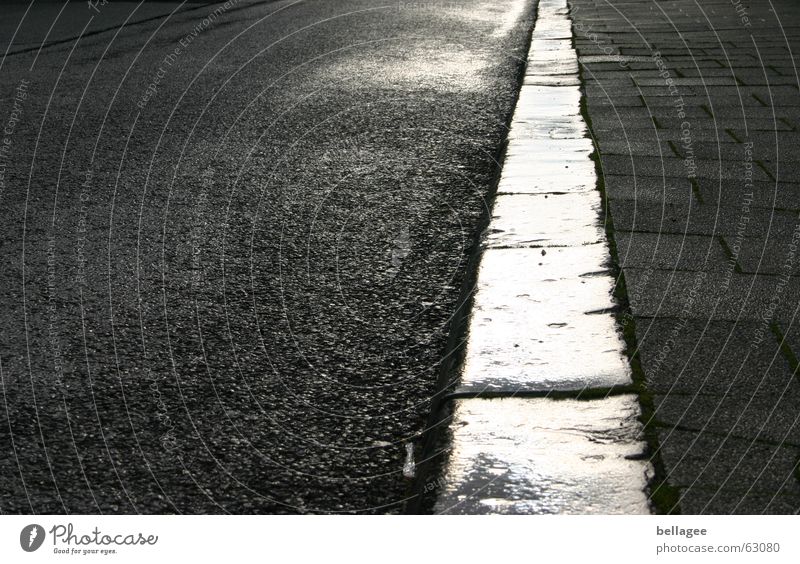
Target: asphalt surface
{"points": [[227, 276]]}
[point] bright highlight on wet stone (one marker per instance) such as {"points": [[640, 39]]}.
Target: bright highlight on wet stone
{"points": [[542, 321], [523, 456]]}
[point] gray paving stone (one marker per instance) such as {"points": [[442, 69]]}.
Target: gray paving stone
{"points": [[706, 460], [699, 357], [732, 155], [780, 195], [775, 93], [670, 252], [774, 146], [605, 113], [695, 72], [762, 414], [668, 132], [711, 296], [712, 123], [698, 101], [764, 254], [649, 147], [648, 92], [729, 501], [619, 102], [677, 167], [754, 112], [648, 189], [699, 81], [704, 327], [621, 123], [782, 170], [790, 329], [702, 219]]}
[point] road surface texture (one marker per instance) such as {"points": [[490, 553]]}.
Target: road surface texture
{"points": [[694, 110], [233, 238]]}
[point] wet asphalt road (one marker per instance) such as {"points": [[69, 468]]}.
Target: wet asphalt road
{"points": [[228, 266]]}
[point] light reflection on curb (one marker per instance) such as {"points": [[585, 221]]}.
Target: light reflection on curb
{"points": [[542, 321]]}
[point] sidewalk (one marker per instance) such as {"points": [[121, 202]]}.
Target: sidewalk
{"points": [[694, 111]]}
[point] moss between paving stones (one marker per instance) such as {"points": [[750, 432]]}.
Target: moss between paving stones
{"points": [[664, 496]]}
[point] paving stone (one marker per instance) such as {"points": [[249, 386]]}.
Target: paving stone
{"points": [[699, 101], [754, 112], [732, 155], [649, 189], [779, 195], [619, 101], [782, 170], [774, 93], [704, 327], [729, 501], [621, 124], [706, 460], [672, 252], [635, 148], [702, 219], [790, 329], [765, 254], [784, 140], [696, 72], [710, 295], [712, 358], [539, 456], [700, 81], [677, 167], [668, 131], [662, 113], [761, 414]]}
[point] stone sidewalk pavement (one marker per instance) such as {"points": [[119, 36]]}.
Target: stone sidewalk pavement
{"points": [[694, 109]]}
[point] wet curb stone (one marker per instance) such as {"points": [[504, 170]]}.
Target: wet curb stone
{"points": [[542, 321]]}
